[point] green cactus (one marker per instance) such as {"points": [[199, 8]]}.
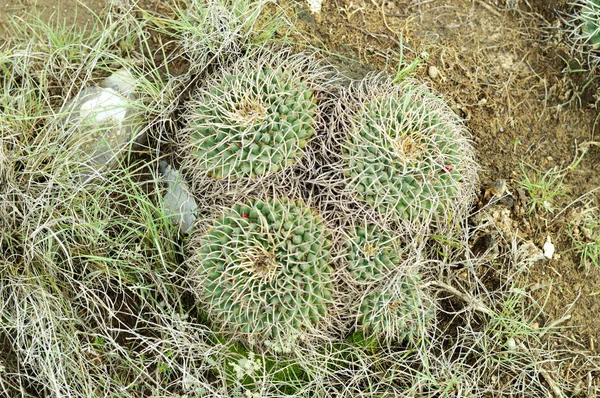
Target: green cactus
{"points": [[406, 154], [391, 302], [371, 254], [395, 311], [264, 271], [590, 22], [582, 29], [254, 119]]}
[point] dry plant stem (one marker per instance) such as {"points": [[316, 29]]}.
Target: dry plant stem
{"points": [[573, 202], [555, 389], [489, 8], [555, 324], [467, 298], [478, 306]]}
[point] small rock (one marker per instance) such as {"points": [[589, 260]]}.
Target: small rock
{"points": [[315, 6], [548, 248], [530, 252], [180, 205], [507, 201], [511, 344], [496, 189], [121, 81], [433, 72], [100, 123]]}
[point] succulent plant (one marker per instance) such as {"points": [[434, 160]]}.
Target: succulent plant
{"points": [[371, 255], [253, 119], [264, 271], [391, 302], [406, 154], [396, 310], [589, 19], [215, 33], [582, 29]]}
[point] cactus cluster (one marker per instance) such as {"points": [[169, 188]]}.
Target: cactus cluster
{"points": [[320, 182], [252, 120], [265, 270], [371, 255], [406, 155], [390, 303]]}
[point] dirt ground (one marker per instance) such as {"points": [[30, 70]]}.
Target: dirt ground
{"points": [[504, 66], [69, 11]]}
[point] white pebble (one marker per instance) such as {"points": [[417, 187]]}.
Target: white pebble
{"points": [[180, 205], [548, 248], [315, 6], [433, 72]]}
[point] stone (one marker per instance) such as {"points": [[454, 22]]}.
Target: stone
{"points": [[100, 123], [179, 204], [433, 72]]}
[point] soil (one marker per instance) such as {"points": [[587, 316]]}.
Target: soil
{"points": [[71, 12], [503, 66]]}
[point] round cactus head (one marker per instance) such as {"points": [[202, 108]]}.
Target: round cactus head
{"points": [[253, 119], [406, 154], [398, 310], [264, 271], [371, 255]]}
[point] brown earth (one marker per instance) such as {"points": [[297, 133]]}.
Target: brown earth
{"points": [[72, 12], [503, 66]]}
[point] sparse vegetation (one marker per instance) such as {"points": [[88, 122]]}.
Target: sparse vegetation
{"points": [[585, 236], [358, 282], [543, 188]]}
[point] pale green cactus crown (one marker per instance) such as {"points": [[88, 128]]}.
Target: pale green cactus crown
{"points": [[590, 22], [371, 254], [253, 120], [395, 311], [405, 155]]}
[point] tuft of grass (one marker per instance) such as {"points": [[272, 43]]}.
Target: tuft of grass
{"points": [[214, 33], [543, 188], [585, 236]]}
